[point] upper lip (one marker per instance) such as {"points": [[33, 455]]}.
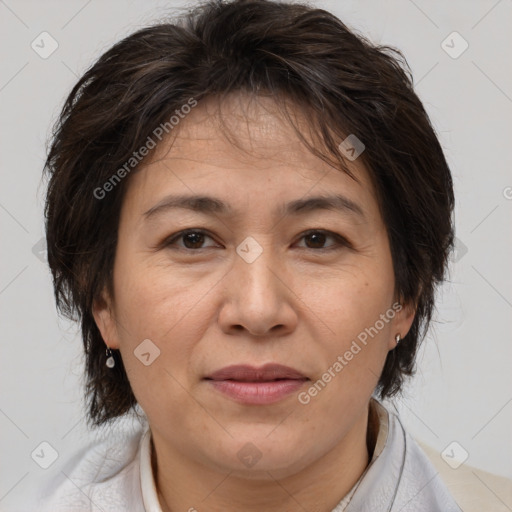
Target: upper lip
{"points": [[265, 373]]}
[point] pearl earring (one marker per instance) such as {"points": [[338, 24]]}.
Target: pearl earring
{"points": [[110, 359], [398, 338]]}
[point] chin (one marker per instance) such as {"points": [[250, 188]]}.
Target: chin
{"points": [[258, 457]]}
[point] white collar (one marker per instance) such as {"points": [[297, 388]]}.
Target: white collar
{"points": [[147, 481]]}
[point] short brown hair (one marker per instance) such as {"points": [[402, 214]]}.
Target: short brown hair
{"points": [[346, 84]]}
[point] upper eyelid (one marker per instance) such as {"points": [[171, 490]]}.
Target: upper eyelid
{"points": [[179, 234]]}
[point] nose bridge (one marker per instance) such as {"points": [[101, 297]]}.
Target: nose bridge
{"points": [[255, 268], [256, 298]]}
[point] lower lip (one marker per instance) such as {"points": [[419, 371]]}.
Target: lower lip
{"points": [[258, 393]]}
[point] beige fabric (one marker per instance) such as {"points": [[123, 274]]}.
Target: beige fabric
{"points": [[382, 427], [473, 489]]}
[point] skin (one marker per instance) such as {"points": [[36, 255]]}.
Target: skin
{"points": [[297, 304]]}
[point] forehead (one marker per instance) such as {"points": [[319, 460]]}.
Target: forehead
{"points": [[239, 128], [243, 145]]}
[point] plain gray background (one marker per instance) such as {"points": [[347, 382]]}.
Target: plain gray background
{"points": [[462, 391]]}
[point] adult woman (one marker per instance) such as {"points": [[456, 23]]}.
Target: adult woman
{"points": [[249, 210]]}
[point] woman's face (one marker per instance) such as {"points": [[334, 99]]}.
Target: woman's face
{"points": [[266, 275]]}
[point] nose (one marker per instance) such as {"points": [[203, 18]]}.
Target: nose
{"points": [[259, 298]]}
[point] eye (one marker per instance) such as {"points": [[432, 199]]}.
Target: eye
{"points": [[190, 239], [195, 239], [317, 238]]}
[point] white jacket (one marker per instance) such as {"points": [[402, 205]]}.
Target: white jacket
{"points": [[115, 476]]}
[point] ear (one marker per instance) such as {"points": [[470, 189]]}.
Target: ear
{"points": [[402, 322], [103, 313]]}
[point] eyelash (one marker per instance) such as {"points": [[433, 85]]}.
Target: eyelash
{"points": [[341, 242]]}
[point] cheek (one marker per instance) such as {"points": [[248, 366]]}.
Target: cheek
{"points": [[354, 353], [151, 305], [356, 305], [154, 298], [353, 300], [169, 308]]}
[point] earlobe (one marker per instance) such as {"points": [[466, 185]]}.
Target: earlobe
{"points": [[402, 324], [105, 321]]}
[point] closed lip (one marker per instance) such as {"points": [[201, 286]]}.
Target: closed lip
{"points": [[266, 373]]}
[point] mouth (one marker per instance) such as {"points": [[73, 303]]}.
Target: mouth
{"points": [[257, 386]]}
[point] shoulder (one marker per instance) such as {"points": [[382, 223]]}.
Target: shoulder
{"points": [[400, 478], [420, 486], [463, 486], [105, 475], [474, 489]]}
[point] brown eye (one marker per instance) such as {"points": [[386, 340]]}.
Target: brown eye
{"points": [[315, 240], [193, 240], [318, 238], [189, 239]]}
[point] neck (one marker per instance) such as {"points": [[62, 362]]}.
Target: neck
{"points": [[183, 484]]}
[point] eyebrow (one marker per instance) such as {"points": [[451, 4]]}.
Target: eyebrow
{"points": [[213, 206]]}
